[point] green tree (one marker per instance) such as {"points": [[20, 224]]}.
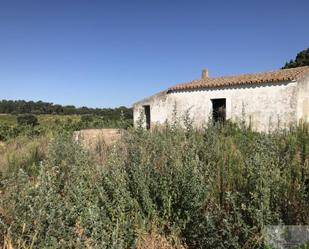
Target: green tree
{"points": [[302, 59]]}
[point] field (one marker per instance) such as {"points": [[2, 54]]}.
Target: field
{"points": [[176, 187], [52, 124], [44, 119], [7, 119]]}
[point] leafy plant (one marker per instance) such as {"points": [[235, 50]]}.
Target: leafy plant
{"points": [[216, 187]]}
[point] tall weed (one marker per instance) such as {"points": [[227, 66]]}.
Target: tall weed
{"points": [[184, 188]]}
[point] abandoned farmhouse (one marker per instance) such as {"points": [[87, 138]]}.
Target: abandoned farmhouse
{"points": [[266, 100]]}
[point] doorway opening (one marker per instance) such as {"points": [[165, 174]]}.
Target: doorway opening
{"points": [[147, 115], [218, 110]]}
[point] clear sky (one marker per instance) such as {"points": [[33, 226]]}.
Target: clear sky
{"points": [[101, 53]]}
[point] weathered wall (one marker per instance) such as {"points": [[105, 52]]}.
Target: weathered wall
{"points": [[265, 105], [303, 99], [159, 108]]}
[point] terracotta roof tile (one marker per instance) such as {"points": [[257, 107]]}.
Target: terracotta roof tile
{"points": [[254, 78]]}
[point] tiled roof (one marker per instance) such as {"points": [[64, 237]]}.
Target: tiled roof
{"points": [[254, 78]]}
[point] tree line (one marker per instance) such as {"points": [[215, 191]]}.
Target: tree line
{"points": [[40, 107]]}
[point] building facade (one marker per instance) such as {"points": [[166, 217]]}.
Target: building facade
{"points": [[266, 100]]}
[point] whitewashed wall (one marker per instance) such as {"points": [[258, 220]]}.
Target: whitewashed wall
{"points": [[265, 105], [303, 99]]}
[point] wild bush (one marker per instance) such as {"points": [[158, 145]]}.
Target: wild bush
{"points": [[27, 119], [212, 188]]}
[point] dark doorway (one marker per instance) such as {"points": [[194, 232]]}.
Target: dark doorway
{"points": [[147, 115], [218, 110]]}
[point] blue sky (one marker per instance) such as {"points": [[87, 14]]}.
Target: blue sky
{"points": [[100, 53]]}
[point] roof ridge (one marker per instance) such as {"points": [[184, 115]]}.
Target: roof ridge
{"points": [[260, 72], [246, 78]]}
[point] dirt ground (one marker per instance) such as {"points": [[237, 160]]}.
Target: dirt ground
{"points": [[91, 137]]}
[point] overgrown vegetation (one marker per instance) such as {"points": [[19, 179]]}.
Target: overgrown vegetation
{"points": [[174, 187], [29, 125]]}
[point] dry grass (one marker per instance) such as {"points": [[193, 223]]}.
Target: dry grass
{"points": [[18, 152], [149, 241], [91, 137], [7, 242], [2, 146], [79, 230], [157, 241]]}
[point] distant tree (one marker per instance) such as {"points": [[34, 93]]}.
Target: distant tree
{"points": [[27, 119], [69, 110], [302, 59]]}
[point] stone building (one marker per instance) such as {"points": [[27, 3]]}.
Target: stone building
{"points": [[266, 100]]}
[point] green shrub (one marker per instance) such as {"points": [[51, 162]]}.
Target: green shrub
{"points": [[27, 119], [86, 118]]}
